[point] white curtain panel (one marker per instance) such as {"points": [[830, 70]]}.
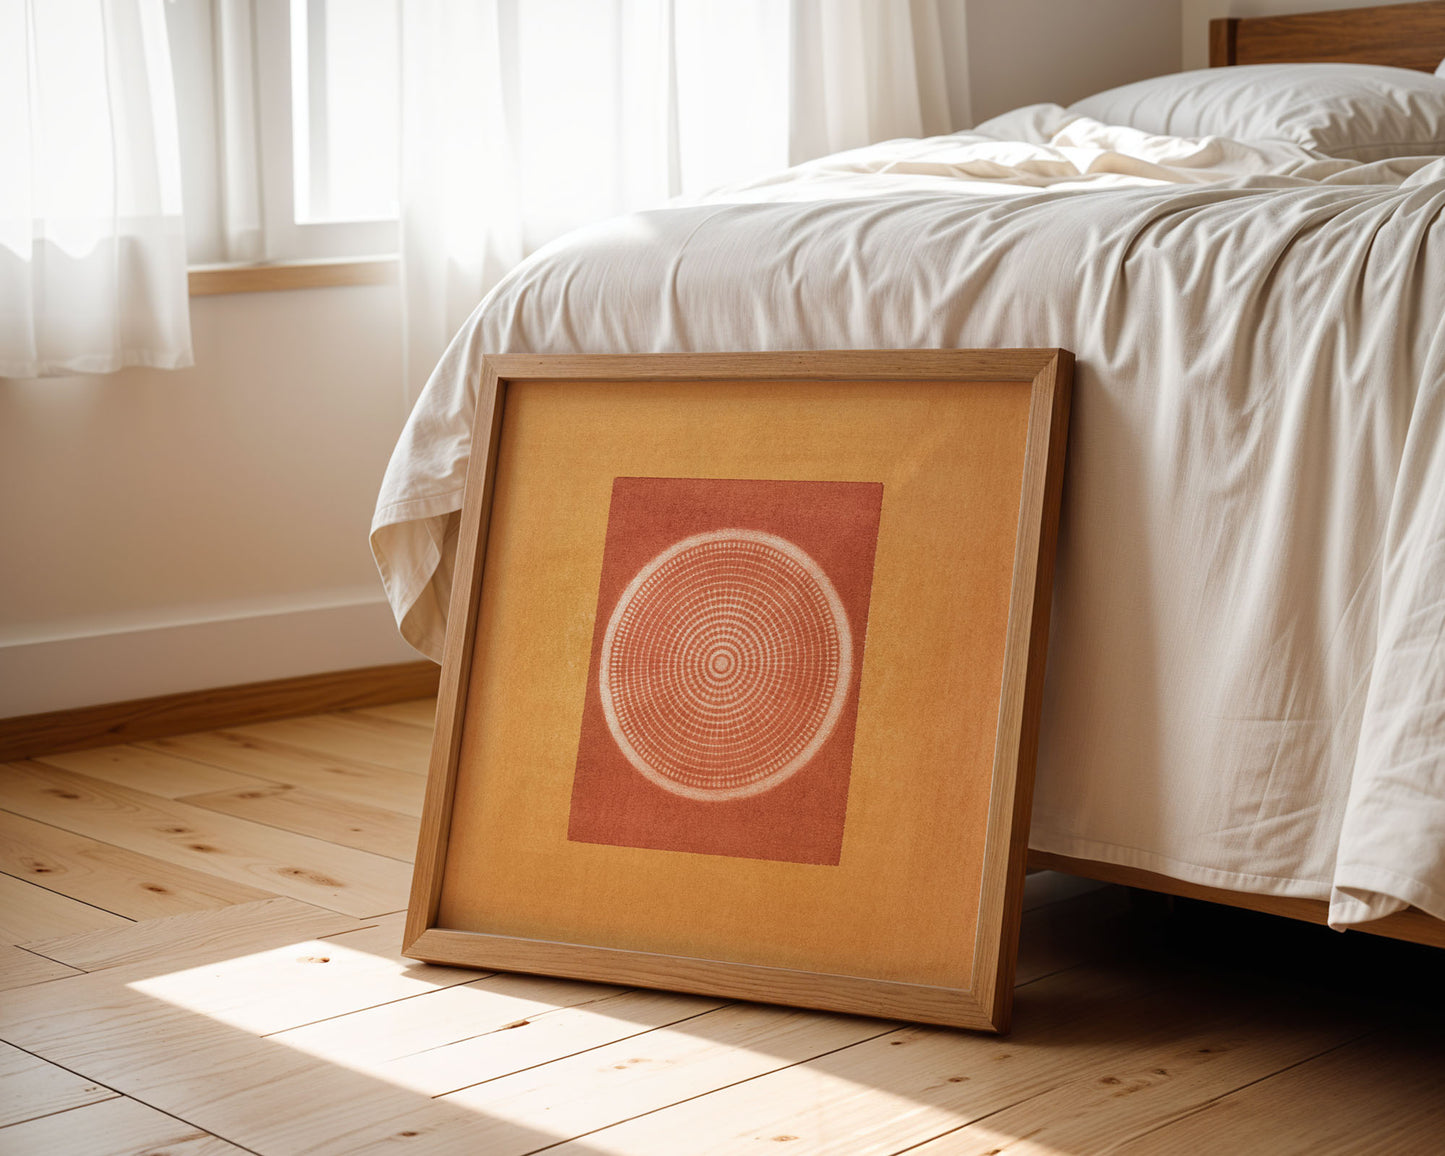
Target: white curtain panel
{"points": [[237, 124], [92, 245], [522, 119]]}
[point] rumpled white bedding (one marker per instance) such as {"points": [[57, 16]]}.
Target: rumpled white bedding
{"points": [[1246, 679]]}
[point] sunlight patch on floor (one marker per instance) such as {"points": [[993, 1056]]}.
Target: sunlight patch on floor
{"points": [[299, 983]]}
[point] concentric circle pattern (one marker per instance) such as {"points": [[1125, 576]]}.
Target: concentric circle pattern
{"points": [[725, 665]]}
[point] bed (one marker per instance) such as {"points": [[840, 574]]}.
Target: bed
{"points": [[1245, 698]]}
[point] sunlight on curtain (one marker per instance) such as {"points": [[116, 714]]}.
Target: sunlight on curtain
{"points": [[242, 227], [522, 119], [92, 246]]}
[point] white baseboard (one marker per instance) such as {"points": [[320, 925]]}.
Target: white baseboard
{"points": [[119, 665]]}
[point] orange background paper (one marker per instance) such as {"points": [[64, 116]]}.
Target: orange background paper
{"points": [[902, 902]]}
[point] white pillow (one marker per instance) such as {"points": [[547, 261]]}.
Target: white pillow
{"points": [[1362, 112]]}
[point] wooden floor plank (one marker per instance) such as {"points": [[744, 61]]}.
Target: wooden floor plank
{"points": [[1383, 1094], [402, 733], [543, 1038], [1092, 927], [373, 1038], [521, 1113], [153, 772], [20, 967], [210, 934], [1250, 1041], [340, 878], [419, 712], [245, 980], [284, 1027], [375, 741], [339, 821], [274, 1101], [301, 983], [898, 1090], [381, 935], [384, 787], [487, 1028], [590, 1091], [353, 1088], [28, 912], [120, 881], [31, 1087], [187, 1042], [114, 1127]]}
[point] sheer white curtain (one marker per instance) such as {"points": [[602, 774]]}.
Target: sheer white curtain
{"points": [[522, 119], [92, 245], [242, 224]]}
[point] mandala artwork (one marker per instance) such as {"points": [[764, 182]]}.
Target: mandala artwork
{"points": [[725, 665], [727, 654]]}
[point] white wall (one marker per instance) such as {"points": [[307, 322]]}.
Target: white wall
{"points": [[1025, 51], [167, 531], [1198, 13], [1018, 52]]}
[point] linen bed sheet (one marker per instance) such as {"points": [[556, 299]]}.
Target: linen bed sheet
{"points": [[1246, 685]]}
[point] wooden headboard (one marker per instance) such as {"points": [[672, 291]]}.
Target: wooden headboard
{"points": [[1402, 35]]}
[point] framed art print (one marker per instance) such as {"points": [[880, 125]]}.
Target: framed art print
{"points": [[742, 676]]}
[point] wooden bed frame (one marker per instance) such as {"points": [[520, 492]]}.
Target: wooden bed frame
{"points": [[1400, 35], [1403, 36]]}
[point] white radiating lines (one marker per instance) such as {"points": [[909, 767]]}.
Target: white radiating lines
{"points": [[725, 665]]}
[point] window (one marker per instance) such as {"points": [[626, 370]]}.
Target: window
{"points": [[289, 115], [345, 108]]}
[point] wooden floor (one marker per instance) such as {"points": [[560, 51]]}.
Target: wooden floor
{"points": [[198, 954]]}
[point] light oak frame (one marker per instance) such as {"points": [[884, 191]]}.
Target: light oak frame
{"points": [[986, 1003], [1411, 924]]}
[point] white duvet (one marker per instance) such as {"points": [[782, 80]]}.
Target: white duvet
{"points": [[1246, 679]]}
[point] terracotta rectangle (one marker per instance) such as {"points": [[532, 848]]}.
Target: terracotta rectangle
{"points": [[732, 617]]}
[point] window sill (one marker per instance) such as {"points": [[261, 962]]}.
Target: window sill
{"points": [[206, 280]]}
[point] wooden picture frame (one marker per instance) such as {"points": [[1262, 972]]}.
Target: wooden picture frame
{"points": [[902, 900]]}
